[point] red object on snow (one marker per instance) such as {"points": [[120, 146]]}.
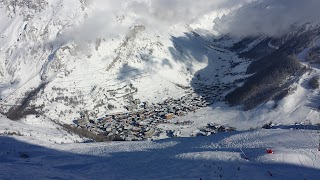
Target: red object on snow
{"points": [[269, 151]]}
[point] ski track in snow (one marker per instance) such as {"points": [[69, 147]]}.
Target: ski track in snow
{"points": [[295, 157]]}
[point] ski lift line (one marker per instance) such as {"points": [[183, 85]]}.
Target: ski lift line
{"points": [[4, 99], [296, 108], [41, 57]]}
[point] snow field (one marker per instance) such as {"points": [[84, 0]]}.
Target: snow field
{"points": [[215, 157]]}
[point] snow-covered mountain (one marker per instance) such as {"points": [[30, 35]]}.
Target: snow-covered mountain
{"points": [[63, 60], [78, 71], [47, 67]]}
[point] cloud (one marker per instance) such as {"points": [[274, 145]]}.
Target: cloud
{"points": [[269, 17], [256, 17], [154, 14], [100, 23], [182, 11]]}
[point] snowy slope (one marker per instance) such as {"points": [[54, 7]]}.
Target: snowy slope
{"points": [[222, 156], [52, 68], [60, 59], [37, 129], [64, 72], [299, 107]]}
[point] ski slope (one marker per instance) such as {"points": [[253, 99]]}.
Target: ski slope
{"points": [[221, 156], [43, 130]]}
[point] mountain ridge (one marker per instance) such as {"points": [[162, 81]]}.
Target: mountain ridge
{"points": [[53, 67]]}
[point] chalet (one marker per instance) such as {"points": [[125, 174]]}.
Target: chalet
{"points": [[136, 101], [169, 116], [180, 113], [145, 105], [150, 132]]}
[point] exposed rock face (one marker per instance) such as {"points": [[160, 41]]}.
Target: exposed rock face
{"points": [[313, 55], [24, 8]]}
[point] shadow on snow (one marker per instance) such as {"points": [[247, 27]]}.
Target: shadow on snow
{"points": [[223, 67], [20, 160]]}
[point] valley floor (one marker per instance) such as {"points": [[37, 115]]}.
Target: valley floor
{"points": [[232, 155]]}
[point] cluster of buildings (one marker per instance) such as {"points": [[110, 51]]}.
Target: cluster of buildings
{"points": [[211, 128], [141, 122], [212, 93]]}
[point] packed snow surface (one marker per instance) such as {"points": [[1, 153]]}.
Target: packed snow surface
{"points": [[233, 155]]}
